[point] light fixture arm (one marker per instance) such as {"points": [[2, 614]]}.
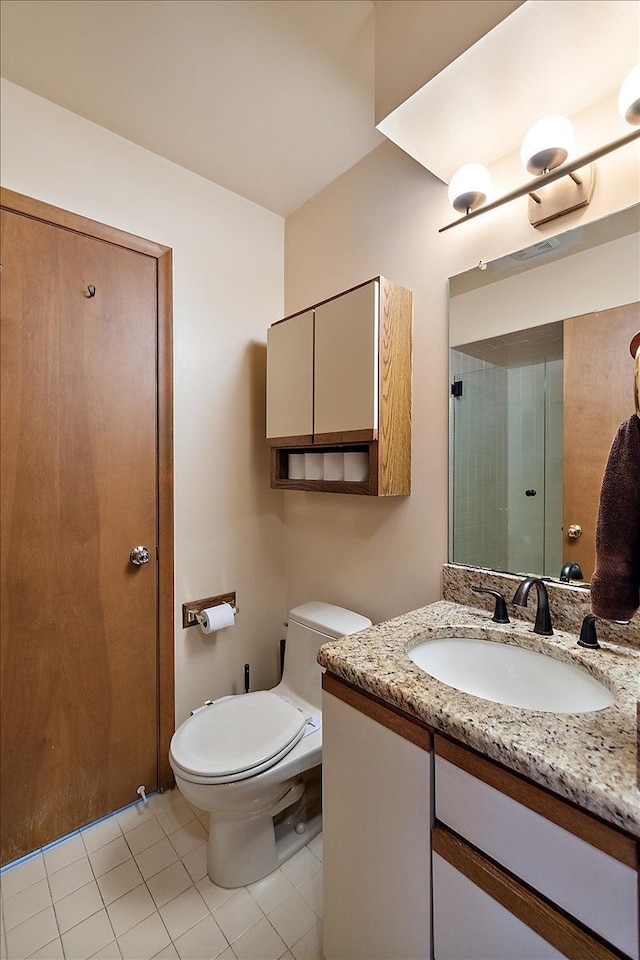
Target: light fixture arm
{"points": [[546, 178]]}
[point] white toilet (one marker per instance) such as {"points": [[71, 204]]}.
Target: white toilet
{"points": [[253, 760]]}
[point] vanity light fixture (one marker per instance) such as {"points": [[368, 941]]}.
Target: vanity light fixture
{"points": [[545, 152]]}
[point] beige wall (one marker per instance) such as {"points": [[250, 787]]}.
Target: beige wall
{"points": [[383, 557], [228, 268]]}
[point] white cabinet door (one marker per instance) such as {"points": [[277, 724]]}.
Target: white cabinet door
{"points": [[346, 362], [290, 377], [469, 925], [376, 843]]}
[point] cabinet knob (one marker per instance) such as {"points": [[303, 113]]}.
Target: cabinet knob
{"points": [[575, 531]]}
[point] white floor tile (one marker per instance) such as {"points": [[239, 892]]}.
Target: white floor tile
{"points": [[65, 881], [132, 817], [144, 835], [50, 951], [31, 935], [292, 918], [179, 814], [78, 906], [86, 938], [260, 942], [119, 881], [309, 946], [100, 833], [212, 894], [183, 912], [22, 875], [169, 883], [227, 954], [26, 904], [110, 855], [63, 853], [311, 891], [315, 846], [237, 914], [167, 953], [189, 838], [160, 802], [131, 909], [196, 863], [110, 952], [144, 940], [301, 866], [156, 858], [271, 890], [204, 941]]}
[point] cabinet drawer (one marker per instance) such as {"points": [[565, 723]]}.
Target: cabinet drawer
{"points": [[468, 924], [589, 883]]}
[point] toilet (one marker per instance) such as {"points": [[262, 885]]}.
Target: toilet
{"points": [[253, 760]]}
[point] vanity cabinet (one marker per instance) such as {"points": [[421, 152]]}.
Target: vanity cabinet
{"points": [[339, 381], [531, 875], [376, 819]]}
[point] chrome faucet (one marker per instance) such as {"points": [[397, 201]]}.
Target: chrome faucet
{"points": [[543, 614]]}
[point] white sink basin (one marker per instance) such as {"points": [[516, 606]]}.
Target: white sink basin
{"points": [[512, 675]]}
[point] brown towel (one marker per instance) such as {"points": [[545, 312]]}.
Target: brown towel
{"points": [[615, 587]]}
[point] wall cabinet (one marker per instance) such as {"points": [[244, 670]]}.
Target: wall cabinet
{"points": [[339, 381], [376, 818]]}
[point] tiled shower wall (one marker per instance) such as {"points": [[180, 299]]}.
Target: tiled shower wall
{"points": [[507, 430]]}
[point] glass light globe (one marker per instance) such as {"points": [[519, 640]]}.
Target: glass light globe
{"points": [[547, 144], [469, 188], [629, 97]]}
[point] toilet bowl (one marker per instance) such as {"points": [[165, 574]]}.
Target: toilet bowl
{"points": [[253, 761]]}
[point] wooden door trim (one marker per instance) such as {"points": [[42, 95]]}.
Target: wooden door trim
{"points": [[38, 210]]}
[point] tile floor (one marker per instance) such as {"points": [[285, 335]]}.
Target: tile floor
{"points": [[135, 886]]}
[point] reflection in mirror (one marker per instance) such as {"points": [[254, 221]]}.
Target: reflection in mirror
{"points": [[541, 378]]}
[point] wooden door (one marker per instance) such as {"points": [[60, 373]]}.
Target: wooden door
{"points": [[80, 677], [598, 397]]}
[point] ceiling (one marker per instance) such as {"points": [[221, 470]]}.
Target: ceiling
{"points": [[558, 57], [272, 99]]}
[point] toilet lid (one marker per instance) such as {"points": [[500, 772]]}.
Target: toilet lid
{"points": [[237, 735]]}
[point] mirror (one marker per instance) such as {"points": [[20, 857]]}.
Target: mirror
{"points": [[541, 379]]}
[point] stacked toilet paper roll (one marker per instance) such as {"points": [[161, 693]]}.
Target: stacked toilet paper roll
{"points": [[216, 618]]}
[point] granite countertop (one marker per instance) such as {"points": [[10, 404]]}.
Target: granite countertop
{"points": [[588, 758]]}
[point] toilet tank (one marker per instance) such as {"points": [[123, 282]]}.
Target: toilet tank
{"points": [[310, 625]]}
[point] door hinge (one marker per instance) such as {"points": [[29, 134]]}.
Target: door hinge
{"points": [[456, 388]]}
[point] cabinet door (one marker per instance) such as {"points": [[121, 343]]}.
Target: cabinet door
{"points": [[376, 843], [290, 378], [468, 924], [346, 362]]}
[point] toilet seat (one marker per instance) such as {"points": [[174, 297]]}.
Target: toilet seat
{"points": [[236, 737]]}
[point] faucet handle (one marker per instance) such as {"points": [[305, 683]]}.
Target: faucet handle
{"points": [[588, 636], [500, 612]]}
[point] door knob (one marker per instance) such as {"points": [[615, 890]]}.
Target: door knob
{"points": [[575, 531], [139, 555]]}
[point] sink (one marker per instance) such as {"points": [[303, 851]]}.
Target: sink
{"points": [[515, 676]]}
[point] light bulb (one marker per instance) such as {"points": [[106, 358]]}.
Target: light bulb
{"points": [[629, 97], [547, 144], [469, 188]]}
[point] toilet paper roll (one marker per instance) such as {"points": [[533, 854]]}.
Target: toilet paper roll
{"points": [[356, 466], [313, 466], [296, 466], [216, 618]]}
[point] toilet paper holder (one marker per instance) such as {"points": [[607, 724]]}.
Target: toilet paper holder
{"points": [[191, 611]]}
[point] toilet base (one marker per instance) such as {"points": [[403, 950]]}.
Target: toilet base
{"points": [[240, 852]]}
